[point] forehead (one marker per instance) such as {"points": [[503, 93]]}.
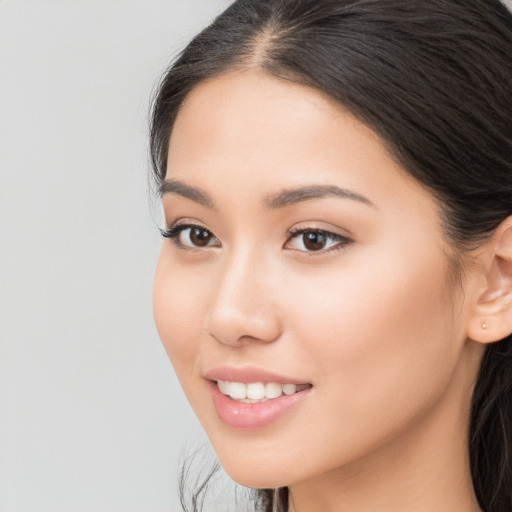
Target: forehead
{"points": [[245, 92], [254, 110], [260, 134]]}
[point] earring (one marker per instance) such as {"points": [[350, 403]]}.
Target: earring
{"points": [[484, 325]]}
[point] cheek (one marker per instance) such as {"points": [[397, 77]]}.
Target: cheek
{"points": [[353, 305], [380, 337], [177, 312]]}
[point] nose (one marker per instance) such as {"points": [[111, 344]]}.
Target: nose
{"points": [[243, 307]]}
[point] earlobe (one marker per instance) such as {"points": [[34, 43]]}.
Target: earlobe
{"points": [[492, 316]]}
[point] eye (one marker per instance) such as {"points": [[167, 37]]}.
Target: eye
{"points": [[315, 240], [191, 236]]}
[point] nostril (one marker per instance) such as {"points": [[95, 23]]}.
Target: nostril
{"points": [[243, 325]]}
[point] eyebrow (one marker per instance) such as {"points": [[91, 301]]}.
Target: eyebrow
{"points": [[182, 189], [296, 195], [282, 199]]}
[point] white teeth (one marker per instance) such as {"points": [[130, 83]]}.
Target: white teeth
{"points": [[273, 390], [237, 390], [256, 391], [289, 389], [223, 386]]}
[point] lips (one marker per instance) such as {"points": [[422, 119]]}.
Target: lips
{"points": [[249, 398], [248, 374]]}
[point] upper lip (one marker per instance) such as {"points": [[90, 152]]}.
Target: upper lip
{"points": [[247, 374]]}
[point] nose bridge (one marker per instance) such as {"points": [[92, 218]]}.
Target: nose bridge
{"points": [[241, 308]]}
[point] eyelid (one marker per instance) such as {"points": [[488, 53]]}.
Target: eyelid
{"points": [[174, 231], [342, 240], [175, 227]]}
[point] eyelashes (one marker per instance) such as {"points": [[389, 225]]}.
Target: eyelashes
{"points": [[313, 240], [189, 236]]}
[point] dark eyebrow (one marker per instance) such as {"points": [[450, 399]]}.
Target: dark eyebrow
{"points": [[296, 195], [182, 189], [287, 197]]}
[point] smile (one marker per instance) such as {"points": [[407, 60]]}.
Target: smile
{"points": [[252, 398], [255, 392]]}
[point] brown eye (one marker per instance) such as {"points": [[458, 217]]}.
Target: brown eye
{"points": [[199, 237], [195, 236], [191, 236], [314, 241]]}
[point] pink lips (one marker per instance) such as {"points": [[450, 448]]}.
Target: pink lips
{"points": [[242, 415]]}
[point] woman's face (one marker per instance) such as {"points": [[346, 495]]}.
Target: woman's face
{"points": [[300, 253]]}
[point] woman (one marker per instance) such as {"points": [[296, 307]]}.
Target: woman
{"points": [[335, 283]]}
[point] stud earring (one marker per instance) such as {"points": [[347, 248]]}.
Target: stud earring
{"points": [[484, 325]]}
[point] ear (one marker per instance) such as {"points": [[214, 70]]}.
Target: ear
{"points": [[491, 319]]}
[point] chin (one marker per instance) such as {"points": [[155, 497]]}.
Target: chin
{"points": [[257, 478], [256, 474]]}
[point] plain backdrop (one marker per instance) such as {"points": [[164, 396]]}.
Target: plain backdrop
{"points": [[92, 418]]}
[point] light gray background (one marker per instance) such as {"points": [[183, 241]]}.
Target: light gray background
{"points": [[91, 416]]}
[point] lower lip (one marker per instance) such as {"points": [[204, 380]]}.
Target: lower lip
{"points": [[253, 416]]}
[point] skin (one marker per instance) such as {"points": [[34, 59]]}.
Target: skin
{"points": [[378, 325]]}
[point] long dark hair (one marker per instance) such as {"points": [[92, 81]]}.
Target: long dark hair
{"points": [[434, 79]]}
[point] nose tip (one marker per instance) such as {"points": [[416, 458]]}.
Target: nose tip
{"points": [[235, 329], [242, 310]]}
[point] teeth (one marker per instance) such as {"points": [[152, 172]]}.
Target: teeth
{"points": [[273, 390], [223, 386], [289, 389], [255, 391], [237, 390]]}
